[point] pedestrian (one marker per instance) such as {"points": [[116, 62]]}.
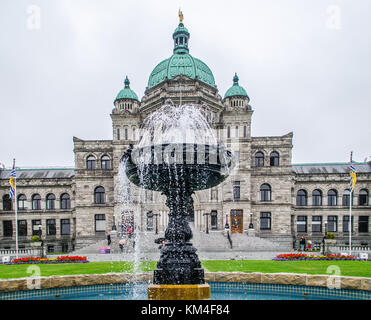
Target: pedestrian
{"points": [[128, 231], [122, 243], [302, 243], [309, 245], [108, 238]]}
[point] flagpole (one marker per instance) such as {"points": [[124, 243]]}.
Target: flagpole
{"points": [[350, 204], [16, 213]]}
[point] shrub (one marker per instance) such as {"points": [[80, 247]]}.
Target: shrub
{"points": [[329, 235], [36, 239]]}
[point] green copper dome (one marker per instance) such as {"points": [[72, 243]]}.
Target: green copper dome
{"points": [[181, 63], [236, 89], [127, 93]]}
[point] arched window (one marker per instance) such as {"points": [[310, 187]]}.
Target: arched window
{"points": [[36, 202], [65, 201], [317, 198], [346, 198], [274, 159], [265, 192], [7, 203], [99, 195], [106, 162], [90, 162], [50, 201], [301, 198], [332, 197], [22, 202], [259, 159], [363, 198]]}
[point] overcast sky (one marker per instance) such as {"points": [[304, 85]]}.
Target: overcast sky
{"points": [[305, 65]]}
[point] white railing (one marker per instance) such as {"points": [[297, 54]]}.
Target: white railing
{"points": [[353, 248], [12, 253]]}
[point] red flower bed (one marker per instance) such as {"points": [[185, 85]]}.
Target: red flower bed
{"points": [[62, 259], [303, 256]]}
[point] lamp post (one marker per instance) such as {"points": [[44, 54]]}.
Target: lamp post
{"points": [[207, 221], [226, 222], [156, 215]]}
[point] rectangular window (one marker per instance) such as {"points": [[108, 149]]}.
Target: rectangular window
{"points": [[8, 228], [346, 223], [228, 132], [51, 229], [100, 223], [237, 133], [214, 220], [316, 224], [363, 224], [332, 224], [36, 228], [22, 228], [118, 133], [149, 221], [244, 131], [236, 191], [126, 133], [265, 221], [65, 227], [50, 248], [301, 224]]}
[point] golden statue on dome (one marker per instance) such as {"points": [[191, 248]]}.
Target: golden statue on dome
{"points": [[180, 16]]}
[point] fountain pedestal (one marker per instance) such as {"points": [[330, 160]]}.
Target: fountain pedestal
{"points": [[179, 292]]}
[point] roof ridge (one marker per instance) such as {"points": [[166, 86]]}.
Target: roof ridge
{"points": [[326, 163]]}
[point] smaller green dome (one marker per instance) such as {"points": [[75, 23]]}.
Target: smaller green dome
{"points": [[127, 93], [236, 89]]}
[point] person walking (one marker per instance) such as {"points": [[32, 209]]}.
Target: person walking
{"points": [[122, 243], [108, 238]]}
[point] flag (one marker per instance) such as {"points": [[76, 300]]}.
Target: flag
{"points": [[353, 175], [12, 181]]}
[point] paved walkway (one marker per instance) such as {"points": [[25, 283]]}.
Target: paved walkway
{"points": [[232, 255]]}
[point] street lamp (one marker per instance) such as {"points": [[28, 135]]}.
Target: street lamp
{"points": [[207, 221], [226, 222], [156, 215]]}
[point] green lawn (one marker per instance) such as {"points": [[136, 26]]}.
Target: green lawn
{"points": [[347, 268]]}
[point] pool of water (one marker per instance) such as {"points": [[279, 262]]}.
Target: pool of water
{"points": [[219, 291]]}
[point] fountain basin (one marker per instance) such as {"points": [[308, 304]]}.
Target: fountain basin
{"points": [[179, 292]]}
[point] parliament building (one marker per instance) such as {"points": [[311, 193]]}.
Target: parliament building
{"points": [[265, 193]]}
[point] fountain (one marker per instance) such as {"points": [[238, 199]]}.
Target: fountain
{"points": [[174, 159]]}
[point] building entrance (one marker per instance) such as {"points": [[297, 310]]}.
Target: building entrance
{"points": [[236, 221]]}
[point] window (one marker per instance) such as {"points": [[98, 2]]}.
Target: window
{"points": [[259, 159], [228, 132], [100, 222], [8, 228], [214, 219], [363, 224], [363, 197], [22, 228], [134, 134], [65, 227], [50, 248], [106, 162], [236, 190], [36, 202], [36, 228], [7, 203], [301, 198], [265, 192], [332, 197], [237, 133], [64, 247], [301, 224], [22, 202], [90, 163], [274, 159], [316, 224], [99, 195], [65, 201], [265, 221], [346, 198], [317, 198], [50, 201], [244, 131], [346, 224], [126, 133], [118, 133], [149, 220], [51, 229], [332, 224]]}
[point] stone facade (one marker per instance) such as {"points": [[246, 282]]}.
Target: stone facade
{"points": [[260, 194]]}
